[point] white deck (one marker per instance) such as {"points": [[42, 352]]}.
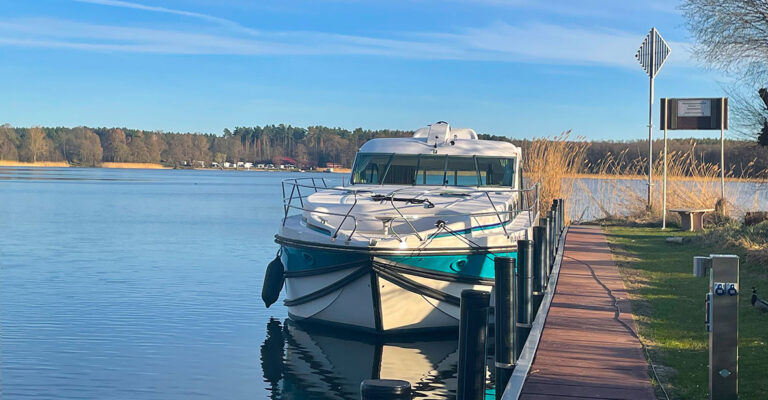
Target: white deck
{"points": [[487, 217]]}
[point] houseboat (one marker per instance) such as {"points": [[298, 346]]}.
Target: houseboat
{"points": [[420, 219]]}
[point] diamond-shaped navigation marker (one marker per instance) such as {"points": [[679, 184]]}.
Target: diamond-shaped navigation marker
{"points": [[652, 53]]}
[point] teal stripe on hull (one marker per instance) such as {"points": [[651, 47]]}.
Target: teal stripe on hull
{"points": [[465, 265], [474, 265], [296, 259]]}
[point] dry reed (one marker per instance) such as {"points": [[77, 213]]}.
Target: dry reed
{"points": [[550, 161], [9, 163], [691, 183]]}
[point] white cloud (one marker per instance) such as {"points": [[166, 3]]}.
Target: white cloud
{"points": [[557, 44], [595, 8], [126, 4], [532, 42]]}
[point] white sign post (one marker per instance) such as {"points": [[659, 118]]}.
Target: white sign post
{"points": [[652, 55], [694, 114]]}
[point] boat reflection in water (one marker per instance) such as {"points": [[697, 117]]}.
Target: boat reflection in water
{"points": [[302, 362]]}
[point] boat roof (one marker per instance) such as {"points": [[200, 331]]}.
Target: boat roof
{"points": [[440, 139]]}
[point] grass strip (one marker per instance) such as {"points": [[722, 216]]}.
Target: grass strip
{"points": [[668, 303]]}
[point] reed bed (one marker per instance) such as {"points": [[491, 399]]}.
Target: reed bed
{"points": [[10, 163], [551, 161], [691, 183], [616, 185]]}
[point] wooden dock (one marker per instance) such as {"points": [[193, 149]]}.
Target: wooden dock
{"points": [[588, 349]]}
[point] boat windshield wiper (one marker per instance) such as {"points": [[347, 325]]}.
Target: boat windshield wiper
{"points": [[408, 200]]}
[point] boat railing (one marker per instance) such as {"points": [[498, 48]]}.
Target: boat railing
{"points": [[292, 194]]}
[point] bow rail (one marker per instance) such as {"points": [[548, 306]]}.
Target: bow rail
{"points": [[296, 190]]}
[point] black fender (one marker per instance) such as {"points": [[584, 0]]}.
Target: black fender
{"points": [[274, 279]]}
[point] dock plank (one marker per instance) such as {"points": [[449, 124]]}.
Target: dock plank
{"points": [[585, 351]]}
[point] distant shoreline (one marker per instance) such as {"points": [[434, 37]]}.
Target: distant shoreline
{"points": [[129, 165], [115, 165], [50, 164]]}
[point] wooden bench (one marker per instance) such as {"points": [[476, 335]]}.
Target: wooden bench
{"points": [[692, 219]]}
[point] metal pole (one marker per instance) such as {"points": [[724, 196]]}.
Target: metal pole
{"points": [[552, 241], [544, 222], [555, 214], [524, 291], [650, 119], [664, 200], [722, 148], [555, 221], [505, 335], [385, 389], [539, 272], [473, 327]]}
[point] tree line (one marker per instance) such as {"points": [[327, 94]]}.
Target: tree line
{"points": [[313, 146], [279, 144]]}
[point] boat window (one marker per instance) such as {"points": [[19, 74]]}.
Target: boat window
{"points": [[460, 171], [496, 171], [434, 170], [401, 170], [369, 168], [431, 170]]}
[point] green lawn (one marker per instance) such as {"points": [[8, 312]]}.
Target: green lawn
{"points": [[668, 303]]}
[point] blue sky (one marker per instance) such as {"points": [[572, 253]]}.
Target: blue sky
{"points": [[508, 67]]}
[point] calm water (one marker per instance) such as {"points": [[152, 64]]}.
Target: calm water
{"points": [[145, 284]]}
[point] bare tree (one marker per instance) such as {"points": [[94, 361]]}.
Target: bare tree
{"points": [[35, 144], [732, 35], [9, 140]]}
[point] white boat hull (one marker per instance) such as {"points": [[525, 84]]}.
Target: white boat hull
{"points": [[377, 300]]}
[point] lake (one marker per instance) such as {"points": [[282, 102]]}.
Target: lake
{"points": [[146, 284]]}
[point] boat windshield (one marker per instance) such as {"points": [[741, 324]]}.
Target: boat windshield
{"points": [[428, 169]]}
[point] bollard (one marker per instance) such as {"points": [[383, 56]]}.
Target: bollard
{"points": [[556, 215], [385, 389], [505, 339], [544, 222], [524, 285], [562, 215], [552, 241], [722, 322], [539, 272], [473, 327], [556, 211]]}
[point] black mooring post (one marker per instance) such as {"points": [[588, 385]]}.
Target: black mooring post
{"points": [[385, 389], [524, 285], [473, 327], [505, 339], [544, 222], [539, 272], [562, 215], [556, 218], [552, 240]]}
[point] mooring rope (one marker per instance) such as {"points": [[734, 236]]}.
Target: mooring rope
{"points": [[617, 318], [442, 225]]}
